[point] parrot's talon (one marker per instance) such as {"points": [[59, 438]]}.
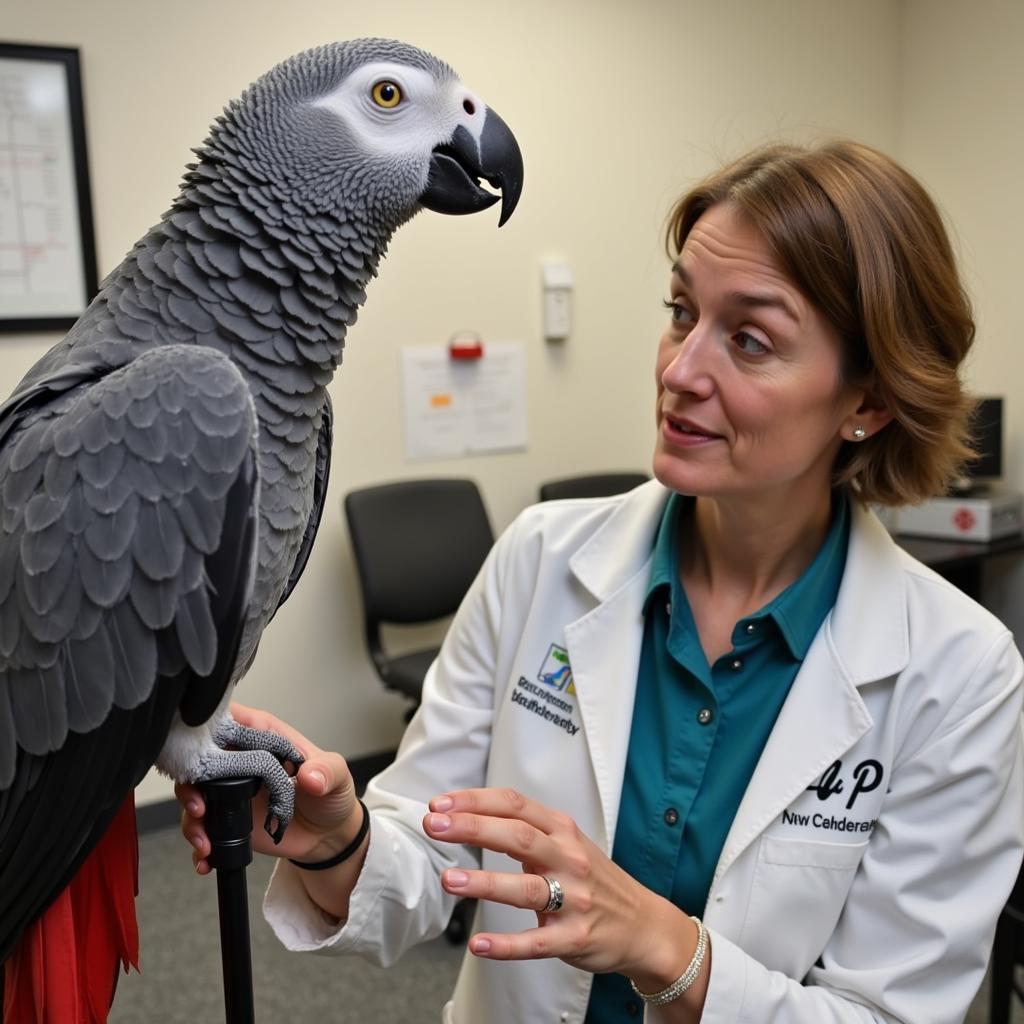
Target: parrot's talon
{"points": [[274, 827], [240, 737], [264, 765]]}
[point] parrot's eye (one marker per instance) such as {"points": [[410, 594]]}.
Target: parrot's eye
{"points": [[387, 94]]}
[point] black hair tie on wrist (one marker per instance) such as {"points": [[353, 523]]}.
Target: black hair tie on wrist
{"points": [[338, 858]]}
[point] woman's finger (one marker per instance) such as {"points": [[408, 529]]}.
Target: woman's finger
{"points": [[503, 803], [517, 838], [193, 831], [324, 772], [533, 944], [254, 718], [528, 891], [190, 798]]}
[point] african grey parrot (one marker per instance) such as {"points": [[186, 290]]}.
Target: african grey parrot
{"points": [[163, 468]]}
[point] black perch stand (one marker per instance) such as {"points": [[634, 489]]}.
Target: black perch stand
{"points": [[229, 826]]}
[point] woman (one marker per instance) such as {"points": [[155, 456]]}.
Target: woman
{"points": [[776, 720]]}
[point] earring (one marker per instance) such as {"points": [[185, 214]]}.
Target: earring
{"points": [[859, 433]]}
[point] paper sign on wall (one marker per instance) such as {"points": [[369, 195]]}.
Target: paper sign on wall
{"points": [[463, 407]]}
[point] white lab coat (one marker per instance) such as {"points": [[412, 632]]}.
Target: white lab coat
{"points": [[871, 896]]}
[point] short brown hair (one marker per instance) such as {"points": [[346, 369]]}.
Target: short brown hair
{"points": [[864, 242]]}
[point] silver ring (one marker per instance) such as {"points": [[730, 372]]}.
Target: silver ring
{"points": [[555, 896]]}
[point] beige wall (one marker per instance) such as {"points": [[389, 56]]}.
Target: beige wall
{"points": [[616, 105], [962, 132]]}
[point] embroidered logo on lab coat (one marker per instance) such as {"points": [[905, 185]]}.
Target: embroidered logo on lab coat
{"points": [[846, 798], [548, 700], [556, 671]]}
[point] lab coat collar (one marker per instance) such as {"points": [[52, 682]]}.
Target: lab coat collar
{"points": [[868, 622], [868, 625], [624, 543]]}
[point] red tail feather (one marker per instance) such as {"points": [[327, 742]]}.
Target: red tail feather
{"points": [[65, 967]]}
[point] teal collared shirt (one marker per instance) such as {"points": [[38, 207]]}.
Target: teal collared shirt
{"points": [[698, 730]]}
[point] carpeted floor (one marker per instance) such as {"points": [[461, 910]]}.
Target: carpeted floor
{"points": [[181, 981], [181, 972]]}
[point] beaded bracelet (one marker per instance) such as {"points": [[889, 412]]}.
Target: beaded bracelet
{"points": [[686, 979], [323, 865]]}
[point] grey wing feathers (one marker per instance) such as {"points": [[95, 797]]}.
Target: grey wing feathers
{"points": [[127, 552], [113, 497], [320, 481]]}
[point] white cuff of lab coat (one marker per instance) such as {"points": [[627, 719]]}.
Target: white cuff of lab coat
{"points": [[726, 985], [397, 902], [301, 926], [742, 991]]}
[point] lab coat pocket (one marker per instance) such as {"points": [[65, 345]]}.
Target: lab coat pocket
{"points": [[797, 896], [798, 853]]}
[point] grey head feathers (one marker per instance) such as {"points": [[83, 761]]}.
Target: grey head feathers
{"points": [[280, 132]]}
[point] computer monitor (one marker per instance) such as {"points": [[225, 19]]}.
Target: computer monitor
{"points": [[987, 424], [987, 435]]}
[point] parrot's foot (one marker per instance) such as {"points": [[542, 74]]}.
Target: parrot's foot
{"points": [[240, 737], [224, 764]]}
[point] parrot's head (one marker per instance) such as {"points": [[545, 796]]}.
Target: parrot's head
{"points": [[372, 130]]}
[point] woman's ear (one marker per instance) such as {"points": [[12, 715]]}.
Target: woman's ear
{"points": [[868, 419]]}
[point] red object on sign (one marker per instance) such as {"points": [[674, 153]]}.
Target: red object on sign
{"points": [[465, 346], [964, 519]]}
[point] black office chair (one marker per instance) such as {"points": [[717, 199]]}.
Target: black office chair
{"points": [[595, 485], [418, 545]]}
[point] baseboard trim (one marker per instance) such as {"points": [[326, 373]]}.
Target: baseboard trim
{"points": [[166, 813], [158, 815]]}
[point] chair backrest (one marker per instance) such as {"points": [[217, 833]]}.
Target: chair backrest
{"points": [[418, 545], [596, 485]]}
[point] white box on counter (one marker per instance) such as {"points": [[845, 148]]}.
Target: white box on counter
{"points": [[979, 517]]}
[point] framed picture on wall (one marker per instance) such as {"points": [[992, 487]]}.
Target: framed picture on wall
{"points": [[47, 248]]}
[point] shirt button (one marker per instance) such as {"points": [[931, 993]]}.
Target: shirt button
{"points": [[564, 1016], [705, 715], [737, 664], [671, 816], [751, 628]]}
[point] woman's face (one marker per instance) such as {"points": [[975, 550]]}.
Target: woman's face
{"points": [[750, 402]]}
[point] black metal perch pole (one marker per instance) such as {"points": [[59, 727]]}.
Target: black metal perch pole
{"points": [[229, 826]]}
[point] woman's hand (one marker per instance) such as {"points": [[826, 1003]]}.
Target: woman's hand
{"points": [[325, 800], [608, 921]]}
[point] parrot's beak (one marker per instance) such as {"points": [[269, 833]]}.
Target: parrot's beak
{"points": [[457, 166]]}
